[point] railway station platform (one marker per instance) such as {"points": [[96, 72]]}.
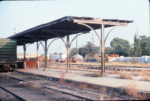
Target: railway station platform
{"points": [[81, 76]]}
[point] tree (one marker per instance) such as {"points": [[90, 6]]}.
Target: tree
{"points": [[82, 51], [109, 50], [131, 51], [88, 49], [145, 45], [91, 48], [137, 51], [73, 52], [120, 46]]}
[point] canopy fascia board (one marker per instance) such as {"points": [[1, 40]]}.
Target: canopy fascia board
{"points": [[97, 21]]}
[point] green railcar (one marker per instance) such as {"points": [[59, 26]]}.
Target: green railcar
{"points": [[8, 55]]}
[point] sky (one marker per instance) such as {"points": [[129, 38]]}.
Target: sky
{"points": [[17, 16]]}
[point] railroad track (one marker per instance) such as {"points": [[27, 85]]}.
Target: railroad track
{"points": [[84, 94], [23, 91], [48, 87], [96, 68], [7, 93], [119, 68]]}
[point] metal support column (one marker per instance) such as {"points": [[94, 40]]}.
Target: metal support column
{"points": [[37, 51], [24, 55], [68, 52], [102, 50], [45, 50]]}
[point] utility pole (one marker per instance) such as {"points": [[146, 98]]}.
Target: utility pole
{"points": [[82, 49], [14, 30], [76, 48], [60, 54], [149, 17], [93, 44]]}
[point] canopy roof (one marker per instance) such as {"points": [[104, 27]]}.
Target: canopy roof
{"points": [[62, 27]]}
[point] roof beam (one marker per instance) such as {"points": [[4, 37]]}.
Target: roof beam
{"points": [[67, 31]]}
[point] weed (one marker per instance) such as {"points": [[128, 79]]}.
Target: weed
{"points": [[83, 86], [145, 73], [96, 74], [112, 71], [125, 76], [103, 89], [141, 73], [132, 91], [146, 78], [71, 84], [62, 75], [101, 97]]}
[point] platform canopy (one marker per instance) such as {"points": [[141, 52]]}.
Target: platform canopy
{"points": [[64, 26]]}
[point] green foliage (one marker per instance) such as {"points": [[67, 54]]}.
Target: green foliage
{"points": [[120, 46], [83, 51], [131, 51], [145, 45], [88, 49], [109, 50], [140, 47], [91, 48], [73, 52], [137, 51]]}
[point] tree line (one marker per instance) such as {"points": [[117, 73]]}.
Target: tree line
{"points": [[140, 47]]}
